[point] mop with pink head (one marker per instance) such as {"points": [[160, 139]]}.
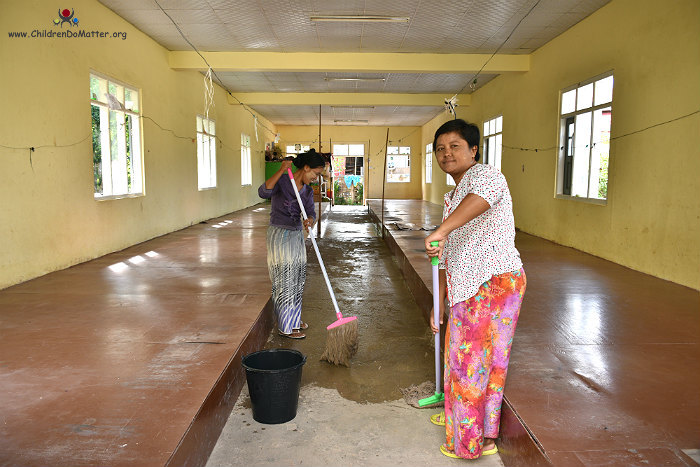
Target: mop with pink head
{"points": [[342, 341]]}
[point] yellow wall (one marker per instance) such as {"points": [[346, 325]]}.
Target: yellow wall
{"points": [[651, 222], [48, 215], [374, 139], [50, 219]]}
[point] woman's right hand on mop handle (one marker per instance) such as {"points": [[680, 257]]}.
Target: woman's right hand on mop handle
{"points": [[286, 164], [308, 223], [435, 251]]}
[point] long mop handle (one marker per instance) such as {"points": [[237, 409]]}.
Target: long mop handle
{"points": [[436, 317], [313, 241]]}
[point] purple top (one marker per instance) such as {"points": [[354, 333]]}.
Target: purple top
{"points": [[285, 212]]}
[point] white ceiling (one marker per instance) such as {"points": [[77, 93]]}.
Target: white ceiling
{"points": [[283, 26]]}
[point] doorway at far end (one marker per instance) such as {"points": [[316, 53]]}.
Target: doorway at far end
{"points": [[348, 174]]}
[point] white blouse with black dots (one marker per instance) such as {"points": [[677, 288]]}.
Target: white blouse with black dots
{"points": [[485, 246]]}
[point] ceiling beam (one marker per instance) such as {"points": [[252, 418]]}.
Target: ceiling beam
{"points": [[349, 62], [348, 98]]}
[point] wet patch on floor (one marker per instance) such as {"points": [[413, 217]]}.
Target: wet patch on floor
{"points": [[394, 340]]}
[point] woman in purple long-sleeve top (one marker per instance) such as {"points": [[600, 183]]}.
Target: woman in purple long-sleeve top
{"points": [[286, 251]]}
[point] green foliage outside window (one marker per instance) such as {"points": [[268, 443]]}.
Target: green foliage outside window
{"points": [[603, 179], [127, 129], [96, 149], [358, 194], [351, 197]]}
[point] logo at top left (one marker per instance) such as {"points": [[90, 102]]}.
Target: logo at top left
{"points": [[66, 16]]}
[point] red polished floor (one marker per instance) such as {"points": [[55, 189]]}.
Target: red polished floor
{"points": [[605, 366], [120, 360]]}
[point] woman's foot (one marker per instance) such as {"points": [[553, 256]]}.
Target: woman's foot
{"points": [[489, 447], [438, 419], [447, 452], [302, 326], [295, 334]]}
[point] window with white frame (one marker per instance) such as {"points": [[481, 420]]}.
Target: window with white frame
{"points": [[116, 138], [398, 168], [429, 163], [246, 163], [585, 118], [297, 148], [206, 153], [348, 159], [493, 141]]}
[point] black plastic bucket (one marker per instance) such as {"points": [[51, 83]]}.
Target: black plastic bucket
{"points": [[274, 378]]}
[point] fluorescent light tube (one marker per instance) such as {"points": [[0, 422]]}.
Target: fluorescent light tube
{"points": [[360, 19], [355, 79]]}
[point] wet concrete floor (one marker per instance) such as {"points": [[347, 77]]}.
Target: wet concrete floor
{"points": [[355, 415], [395, 348]]}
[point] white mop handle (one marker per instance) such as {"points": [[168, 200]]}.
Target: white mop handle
{"points": [[436, 317], [313, 241]]}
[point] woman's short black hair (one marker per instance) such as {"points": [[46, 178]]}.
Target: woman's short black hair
{"points": [[310, 158], [468, 131]]}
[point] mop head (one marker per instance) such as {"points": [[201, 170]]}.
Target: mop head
{"points": [[342, 341], [414, 394]]}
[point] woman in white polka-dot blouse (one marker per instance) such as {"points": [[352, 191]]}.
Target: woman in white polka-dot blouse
{"points": [[482, 279]]}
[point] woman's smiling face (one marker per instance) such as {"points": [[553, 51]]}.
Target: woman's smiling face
{"points": [[453, 154], [311, 174]]}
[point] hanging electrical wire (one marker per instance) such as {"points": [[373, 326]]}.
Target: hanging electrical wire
{"points": [[472, 81], [208, 93], [613, 138], [34, 148], [31, 149], [219, 81], [190, 138], [451, 104]]}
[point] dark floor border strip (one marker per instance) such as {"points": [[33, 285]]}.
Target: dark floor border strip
{"points": [[199, 440], [517, 445]]}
